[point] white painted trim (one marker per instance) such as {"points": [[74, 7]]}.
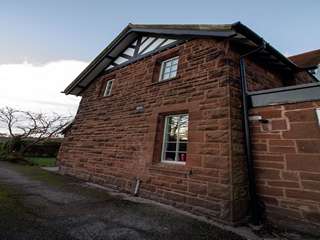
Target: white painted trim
{"points": [[318, 115], [169, 41], [129, 51], [164, 138], [173, 162], [146, 43], [154, 45], [120, 60]]}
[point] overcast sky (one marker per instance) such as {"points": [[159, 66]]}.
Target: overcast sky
{"points": [[44, 45]]}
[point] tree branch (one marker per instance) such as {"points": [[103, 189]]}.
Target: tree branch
{"points": [[37, 126]]}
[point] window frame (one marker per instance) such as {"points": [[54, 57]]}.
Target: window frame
{"points": [[164, 140], [109, 82], [162, 69]]}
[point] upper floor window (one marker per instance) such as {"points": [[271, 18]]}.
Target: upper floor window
{"points": [[107, 90], [169, 69], [317, 73], [175, 139]]}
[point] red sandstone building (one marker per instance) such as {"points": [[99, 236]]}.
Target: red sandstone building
{"points": [[208, 118]]}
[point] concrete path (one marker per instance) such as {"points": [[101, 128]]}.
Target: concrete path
{"points": [[36, 204]]}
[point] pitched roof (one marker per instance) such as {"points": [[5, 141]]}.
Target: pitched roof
{"points": [[309, 59], [236, 32]]}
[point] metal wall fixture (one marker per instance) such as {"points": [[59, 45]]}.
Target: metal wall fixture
{"points": [[140, 109], [255, 118]]}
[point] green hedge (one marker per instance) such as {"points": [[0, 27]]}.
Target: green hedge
{"points": [[45, 149]]}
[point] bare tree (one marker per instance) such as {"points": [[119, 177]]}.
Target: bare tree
{"points": [[36, 127]]}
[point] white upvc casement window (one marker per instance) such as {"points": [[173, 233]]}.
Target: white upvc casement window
{"points": [[317, 73], [169, 69], [175, 139], [107, 90]]}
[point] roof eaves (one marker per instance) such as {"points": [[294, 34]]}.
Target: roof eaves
{"points": [[98, 59], [247, 32]]}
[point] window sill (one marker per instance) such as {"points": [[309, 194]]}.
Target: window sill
{"points": [[105, 97], [164, 81], [173, 168], [173, 162]]}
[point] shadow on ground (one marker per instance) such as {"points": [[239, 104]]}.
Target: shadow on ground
{"points": [[35, 204]]}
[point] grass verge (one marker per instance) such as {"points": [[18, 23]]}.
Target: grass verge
{"points": [[42, 161]]}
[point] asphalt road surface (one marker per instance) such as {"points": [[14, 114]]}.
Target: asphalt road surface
{"points": [[35, 204]]}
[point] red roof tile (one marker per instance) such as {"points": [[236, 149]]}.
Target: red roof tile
{"points": [[307, 60]]}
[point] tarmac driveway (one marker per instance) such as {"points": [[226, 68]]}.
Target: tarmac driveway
{"points": [[35, 204]]}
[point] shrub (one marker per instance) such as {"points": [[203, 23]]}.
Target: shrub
{"points": [[13, 149], [9, 151], [44, 149], [3, 151], [16, 158]]}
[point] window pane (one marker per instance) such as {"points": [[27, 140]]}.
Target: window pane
{"points": [[172, 137], [173, 123], [172, 128], [182, 157], [183, 129], [174, 68], [183, 147], [170, 156], [173, 74], [168, 64], [107, 91], [167, 70], [166, 76], [171, 146], [175, 61]]}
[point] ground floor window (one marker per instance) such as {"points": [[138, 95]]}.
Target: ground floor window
{"points": [[175, 139]]}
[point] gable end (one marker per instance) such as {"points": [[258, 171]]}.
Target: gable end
{"points": [[141, 47]]}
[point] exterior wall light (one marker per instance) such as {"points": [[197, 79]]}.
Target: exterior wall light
{"points": [[139, 109]]}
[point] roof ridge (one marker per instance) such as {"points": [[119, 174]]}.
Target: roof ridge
{"points": [[204, 26]]}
